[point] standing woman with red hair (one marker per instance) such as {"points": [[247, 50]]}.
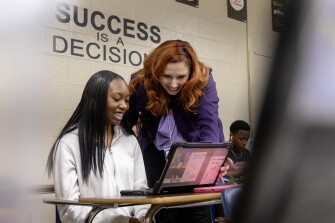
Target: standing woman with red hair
{"points": [[174, 97]]}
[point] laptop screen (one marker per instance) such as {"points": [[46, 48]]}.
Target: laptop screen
{"points": [[194, 166]]}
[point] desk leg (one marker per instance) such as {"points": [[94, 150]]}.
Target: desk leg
{"points": [[91, 215], [149, 217]]}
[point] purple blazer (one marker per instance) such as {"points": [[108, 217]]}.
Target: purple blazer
{"points": [[205, 126]]}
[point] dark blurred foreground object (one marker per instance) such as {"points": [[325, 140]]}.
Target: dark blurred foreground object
{"points": [[12, 204], [292, 172]]}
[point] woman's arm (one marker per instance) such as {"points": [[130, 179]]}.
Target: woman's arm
{"points": [[208, 117]]}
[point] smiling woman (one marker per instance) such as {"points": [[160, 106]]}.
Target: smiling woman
{"points": [[174, 77], [174, 96], [92, 152]]}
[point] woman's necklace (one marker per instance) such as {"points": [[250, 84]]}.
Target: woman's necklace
{"points": [[236, 156], [170, 126]]}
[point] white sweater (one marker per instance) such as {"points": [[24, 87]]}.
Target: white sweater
{"points": [[123, 169]]}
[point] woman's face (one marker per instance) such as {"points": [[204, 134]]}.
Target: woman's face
{"points": [[117, 101], [174, 77]]}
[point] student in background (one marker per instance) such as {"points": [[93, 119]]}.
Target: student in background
{"points": [[175, 98], [239, 135], [94, 157]]}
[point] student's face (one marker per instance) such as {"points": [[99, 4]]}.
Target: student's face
{"points": [[174, 77], [117, 101], [240, 139]]}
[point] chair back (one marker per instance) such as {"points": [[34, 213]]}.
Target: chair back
{"points": [[57, 216]]}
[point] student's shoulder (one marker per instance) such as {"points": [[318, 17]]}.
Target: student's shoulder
{"points": [[128, 140], [246, 152], [70, 136], [126, 134], [70, 139]]}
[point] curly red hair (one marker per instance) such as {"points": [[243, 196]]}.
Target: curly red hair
{"points": [[171, 51]]}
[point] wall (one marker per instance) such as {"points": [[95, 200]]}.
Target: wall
{"points": [[48, 84], [261, 42]]}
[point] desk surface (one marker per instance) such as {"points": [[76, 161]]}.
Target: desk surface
{"points": [[136, 200], [154, 199], [157, 202]]}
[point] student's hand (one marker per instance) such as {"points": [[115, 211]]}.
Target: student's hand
{"points": [[134, 220], [223, 170]]}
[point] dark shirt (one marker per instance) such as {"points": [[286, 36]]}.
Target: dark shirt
{"points": [[240, 158]]}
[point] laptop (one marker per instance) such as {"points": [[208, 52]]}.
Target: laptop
{"points": [[189, 165]]}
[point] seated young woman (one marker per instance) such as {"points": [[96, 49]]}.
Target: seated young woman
{"points": [[94, 157]]}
